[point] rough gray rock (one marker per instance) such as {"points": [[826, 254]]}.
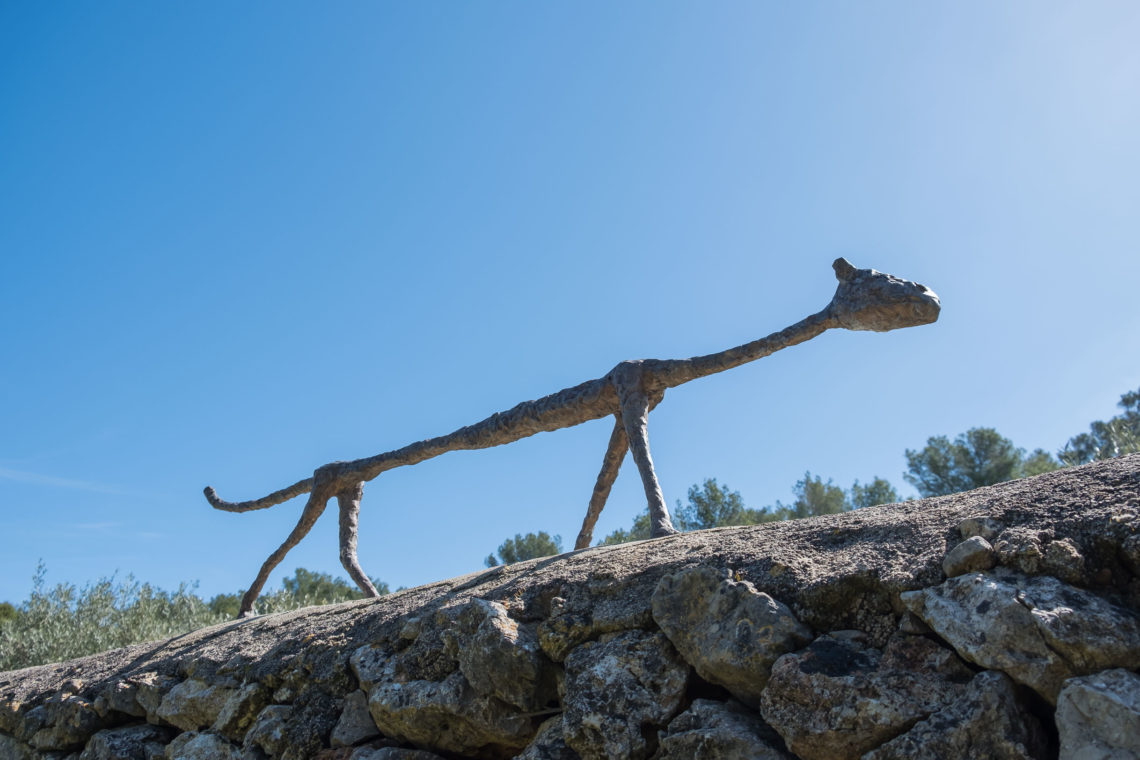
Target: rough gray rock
{"points": [[980, 525], [604, 605], [839, 698], [1036, 629], [1098, 716], [127, 743], [194, 704], [62, 722], [12, 748], [501, 657], [730, 632], [355, 724], [192, 745], [971, 555], [448, 716], [269, 730], [392, 753], [619, 691], [240, 709], [119, 696], [549, 743], [988, 721], [711, 730], [150, 689]]}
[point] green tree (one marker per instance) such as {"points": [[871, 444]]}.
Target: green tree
{"points": [[1039, 461], [323, 588], [521, 547], [1109, 438], [710, 506], [639, 531], [226, 605], [814, 497], [878, 491], [305, 588], [979, 457], [7, 612]]}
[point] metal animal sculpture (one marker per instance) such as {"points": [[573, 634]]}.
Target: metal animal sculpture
{"points": [[864, 300]]}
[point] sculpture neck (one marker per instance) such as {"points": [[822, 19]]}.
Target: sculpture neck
{"points": [[668, 374]]}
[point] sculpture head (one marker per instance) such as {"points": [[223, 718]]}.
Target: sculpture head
{"points": [[870, 300]]}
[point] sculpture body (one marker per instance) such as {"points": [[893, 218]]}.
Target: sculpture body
{"points": [[864, 300]]}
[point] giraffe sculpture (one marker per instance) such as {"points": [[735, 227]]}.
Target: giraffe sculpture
{"points": [[864, 300]]}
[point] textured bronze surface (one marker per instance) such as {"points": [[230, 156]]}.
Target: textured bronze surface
{"points": [[864, 300]]}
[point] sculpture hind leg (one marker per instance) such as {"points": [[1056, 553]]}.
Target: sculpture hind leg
{"points": [[611, 463], [349, 501], [313, 509], [635, 406]]}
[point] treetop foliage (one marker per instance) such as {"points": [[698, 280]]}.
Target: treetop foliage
{"points": [[979, 457], [712, 505], [1109, 438], [530, 546]]}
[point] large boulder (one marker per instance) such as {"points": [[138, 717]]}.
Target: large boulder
{"points": [[840, 698], [619, 691], [1038, 630], [729, 631], [1098, 716], [450, 716], [711, 730], [989, 720]]}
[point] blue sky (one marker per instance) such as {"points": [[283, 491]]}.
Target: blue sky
{"points": [[239, 243]]}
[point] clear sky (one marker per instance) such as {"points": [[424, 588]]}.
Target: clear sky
{"points": [[240, 241]]}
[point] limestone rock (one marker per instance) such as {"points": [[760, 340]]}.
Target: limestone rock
{"points": [[449, 716], [502, 657], [1098, 716], [127, 743], [392, 753], [971, 555], [1038, 630], [355, 724], [12, 748], [730, 632], [64, 721], [240, 709], [619, 691], [1130, 553], [586, 616], [12, 713], [987, 721], [119, 696], [368, 664], [194, 704], [192, 745], [839, 698], [1021, 548], [269, 730], [150, 689], [980, 525], [549, 743], [711, 730]]}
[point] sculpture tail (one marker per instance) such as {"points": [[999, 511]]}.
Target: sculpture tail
{"points": [[273, 499]]}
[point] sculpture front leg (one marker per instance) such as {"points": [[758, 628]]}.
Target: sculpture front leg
{"points": [[611, 463], [349, 501], [316, 504], [635, 406]]}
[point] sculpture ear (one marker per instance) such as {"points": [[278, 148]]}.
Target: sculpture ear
{"points": [[843, 269]]}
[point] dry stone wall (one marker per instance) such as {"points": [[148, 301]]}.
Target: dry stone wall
{"points": [[1001, 623]]}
